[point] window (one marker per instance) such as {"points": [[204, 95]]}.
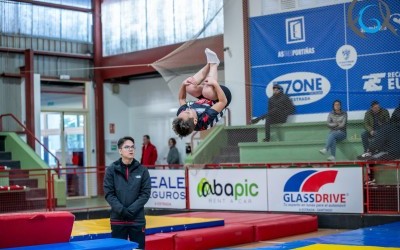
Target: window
{"points": [[38, 21], [133, 25]]}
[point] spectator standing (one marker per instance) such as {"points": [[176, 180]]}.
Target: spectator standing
{"points": [[149, 152], [173, 153]]}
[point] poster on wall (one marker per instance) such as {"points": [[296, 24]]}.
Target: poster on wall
{"points": [[344, 51], [228, 189], [317, 190], [167, 188]]}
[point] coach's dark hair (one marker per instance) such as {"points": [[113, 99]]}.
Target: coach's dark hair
{"points": [[183, 128], [147, 136], [124, 139]]}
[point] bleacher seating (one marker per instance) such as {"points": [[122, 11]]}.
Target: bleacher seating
{"points": [[290, 142], [20, 189], [299, 142]]}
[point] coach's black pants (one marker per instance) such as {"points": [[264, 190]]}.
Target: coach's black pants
{"points": [[134, 233]]}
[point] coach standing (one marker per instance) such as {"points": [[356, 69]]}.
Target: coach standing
{"points": [[127, 189]]}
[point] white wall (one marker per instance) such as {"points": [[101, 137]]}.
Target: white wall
{"points": [[153, 107], [234, 60], [116, 110]]}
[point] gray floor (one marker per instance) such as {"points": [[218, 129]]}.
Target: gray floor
{"points": [[83, 203]]}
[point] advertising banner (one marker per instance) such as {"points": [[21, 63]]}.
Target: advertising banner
{"points": [[167, 188], [317, 190], [345, 51], [228, 189]]}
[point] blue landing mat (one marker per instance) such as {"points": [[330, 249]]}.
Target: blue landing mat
{"points": [[102, 244], [387, 235]]}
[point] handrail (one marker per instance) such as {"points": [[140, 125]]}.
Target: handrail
{"points": [[31, 134], [327, 164], [196, 132]]}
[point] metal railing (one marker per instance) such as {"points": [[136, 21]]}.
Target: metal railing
{"points": [[27, 131], [380, 197]]}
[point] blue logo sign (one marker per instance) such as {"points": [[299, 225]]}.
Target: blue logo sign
{"points": [[301, 87], [384, 11]]}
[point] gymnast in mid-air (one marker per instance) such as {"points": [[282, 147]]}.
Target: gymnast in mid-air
{"points": [[212, 99]]}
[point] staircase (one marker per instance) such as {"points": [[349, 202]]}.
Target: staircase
{"points": [[30, 198], [230, 153]]}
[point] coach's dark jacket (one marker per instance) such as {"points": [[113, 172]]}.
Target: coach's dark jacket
{"points": [[127, 189]]}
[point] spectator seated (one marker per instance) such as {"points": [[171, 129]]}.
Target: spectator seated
{"points": [[294, 142]]}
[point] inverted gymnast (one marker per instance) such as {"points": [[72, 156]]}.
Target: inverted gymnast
{"points": [[212, 99]]}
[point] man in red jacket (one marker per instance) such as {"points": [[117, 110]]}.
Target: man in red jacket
{"points": [[149, 152]]}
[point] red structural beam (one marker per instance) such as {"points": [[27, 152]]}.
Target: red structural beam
{"points": [[29, 95], [54, 5], [11, 75], [46, 78], [99, 94]]}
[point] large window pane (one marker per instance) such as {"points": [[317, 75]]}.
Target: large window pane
{"points": [[132, 25], [76, 3], [38, 21]]}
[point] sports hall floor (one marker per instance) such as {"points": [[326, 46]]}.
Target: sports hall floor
{"points": [[384, 237]]}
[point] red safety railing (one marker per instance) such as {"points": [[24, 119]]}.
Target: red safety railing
{"points": [[27, 131], [24, 190], [380, 197]]}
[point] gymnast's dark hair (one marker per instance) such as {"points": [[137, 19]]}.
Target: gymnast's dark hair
{"points": [[183, 128]]}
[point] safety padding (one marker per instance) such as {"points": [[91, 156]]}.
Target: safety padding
{"points": [[278, 227], [27, 229], [232, 217], [210, 238], [160, 241]]}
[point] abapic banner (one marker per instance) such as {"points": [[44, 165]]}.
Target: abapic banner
{"points": [[228, 189]]}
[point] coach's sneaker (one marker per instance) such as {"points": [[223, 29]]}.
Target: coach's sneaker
{"points": [[323, 151], [331, 158]]}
